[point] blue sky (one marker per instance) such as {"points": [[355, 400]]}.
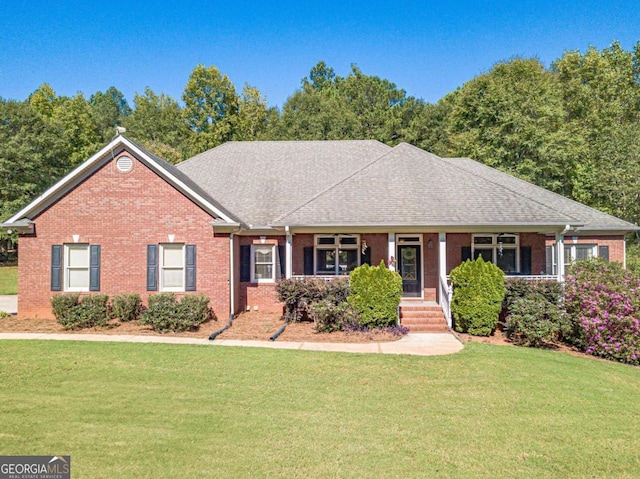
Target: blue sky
{"points": [[428, 48]]}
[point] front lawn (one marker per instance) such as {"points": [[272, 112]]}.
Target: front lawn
{"points": [[155, 410], [8, 280]]}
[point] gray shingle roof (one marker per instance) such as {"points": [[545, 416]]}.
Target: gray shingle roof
{"points": [[261, 180], [366, 183]]}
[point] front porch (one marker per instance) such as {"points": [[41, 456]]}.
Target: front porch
{"points": [[423, 260]]}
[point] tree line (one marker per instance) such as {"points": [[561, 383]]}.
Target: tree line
{"points": [[571, 127]]}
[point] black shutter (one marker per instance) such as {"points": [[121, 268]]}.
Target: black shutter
{"points": [[56, 267], [308, 260], [365, 258], [525, 260], [94, 267], [466, 254], [245, 263], [152, 267], [282, 255], [603, 252], [190, 267]]}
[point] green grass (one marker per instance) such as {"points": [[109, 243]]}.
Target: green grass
{"points": [[155, 410], [8, 280]]}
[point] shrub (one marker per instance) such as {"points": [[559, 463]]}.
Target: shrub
{"points": [[329, 316], [126, 307], [603, 305], [375, 294], [92, 311], [165, 313], [534, 314], [478, 292], [300, 296], [4, 314], [62, 303]]}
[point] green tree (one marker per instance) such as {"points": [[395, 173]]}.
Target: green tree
{"points": [[32, 157], [211, 103], [252, 120], [109, 109], [157, 122], [512, 118], [74, 119]]}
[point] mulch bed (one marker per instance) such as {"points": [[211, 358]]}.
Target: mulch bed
{"points": [[247, 326]]}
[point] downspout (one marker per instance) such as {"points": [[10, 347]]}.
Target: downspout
{"points": [[232, 300]]}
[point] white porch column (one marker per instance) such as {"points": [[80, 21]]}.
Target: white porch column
{"points": [[288, 253], [560, 255], [442, 256], [391, 253]]}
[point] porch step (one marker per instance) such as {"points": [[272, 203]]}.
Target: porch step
{"points": [[423, 318]]}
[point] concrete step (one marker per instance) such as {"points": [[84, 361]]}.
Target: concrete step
{"points": [[421, 314], [417, 321]]}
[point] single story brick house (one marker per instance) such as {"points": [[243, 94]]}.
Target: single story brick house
{"points": [[232, 221]]}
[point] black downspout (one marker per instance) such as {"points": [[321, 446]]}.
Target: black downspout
{"points": [[275, 335], [215, 334]]}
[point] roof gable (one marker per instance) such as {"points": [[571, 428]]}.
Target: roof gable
{"points": [[168, 172]]}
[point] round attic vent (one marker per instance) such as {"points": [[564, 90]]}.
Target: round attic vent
{"points": [[124, 164]]}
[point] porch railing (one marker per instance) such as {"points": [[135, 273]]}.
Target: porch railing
{"points": [[445, 294]]}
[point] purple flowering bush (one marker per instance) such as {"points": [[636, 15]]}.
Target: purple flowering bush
{"points": [[602, 301]]}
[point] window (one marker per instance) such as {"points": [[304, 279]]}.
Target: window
{"points": [[263, 263], [501, 249], [171, 267], [337, 254], [573, 253], [76, 267]]}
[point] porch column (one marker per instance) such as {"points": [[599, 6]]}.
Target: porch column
{"points": [[288, 253], [391, 253], [442, 256], [560, 255]]}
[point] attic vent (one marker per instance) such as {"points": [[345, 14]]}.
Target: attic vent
{"points": [[124, 164]]}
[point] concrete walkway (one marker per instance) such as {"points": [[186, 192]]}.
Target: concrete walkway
{"points": [[421, 344], [9, 304]]}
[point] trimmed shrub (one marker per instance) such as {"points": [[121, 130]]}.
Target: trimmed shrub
{"points": [[165, 313], [92, 311], [478, 292], [375, 294], [126, 307], [300, 296], [329, 316], [533, 311], [603, 305], [62, 303]]}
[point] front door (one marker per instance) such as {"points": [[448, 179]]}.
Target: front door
{"points": [[409, 261]]}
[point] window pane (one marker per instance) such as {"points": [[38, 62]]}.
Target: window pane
{"points": [[584, 252], [567, 254], [263, 254], [348, 260], [78, 278], [507, 262], [263, 271], [173, 256], [349, 240], [172, 278], [78, 256], [326, 260], [327, 240], [483, 240], [507, 239], [487, 253]]}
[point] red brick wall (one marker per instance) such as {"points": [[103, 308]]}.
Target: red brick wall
{"points": [[455, 242], [538, 253], [123, 213], [616, 244], [258, 296]]}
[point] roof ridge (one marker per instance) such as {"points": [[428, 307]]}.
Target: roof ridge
{"points": [[460, 167], [335, 185]]}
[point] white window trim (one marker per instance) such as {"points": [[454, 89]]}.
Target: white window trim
{"points": [[495, 245], [335, 247], [570, 254], [273, 264], [67, 247], [172, 289]]}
